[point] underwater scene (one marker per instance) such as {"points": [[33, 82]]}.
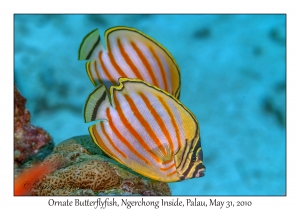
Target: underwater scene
{"points": [[150, 104]]}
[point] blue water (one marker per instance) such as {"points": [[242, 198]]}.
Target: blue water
{"points": [[233, 70]]}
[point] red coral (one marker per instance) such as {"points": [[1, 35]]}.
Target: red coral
{"points": [[28, 139]]}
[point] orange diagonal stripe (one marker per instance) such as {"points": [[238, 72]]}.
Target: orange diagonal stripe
{"points": [[105, 69], [119, 135], [111, 142], [145, 62], [173, 121], [115, 65], [172, 173], [159, 121], [161, 68], [165, 169], [131, 129], [99, 141], [129, 61], [144, 123]]}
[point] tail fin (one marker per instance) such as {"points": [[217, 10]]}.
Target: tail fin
{"points": [[96, 104], [90, 46]]}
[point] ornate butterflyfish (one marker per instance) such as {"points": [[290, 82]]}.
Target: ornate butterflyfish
{"points": [[146, 129], [132, 54]]}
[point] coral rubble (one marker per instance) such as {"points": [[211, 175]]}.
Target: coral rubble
{"points": [[85, 170]]}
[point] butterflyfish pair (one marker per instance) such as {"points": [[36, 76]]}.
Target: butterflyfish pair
{"points": [[132, 54], [146, 129], [142, 124]]}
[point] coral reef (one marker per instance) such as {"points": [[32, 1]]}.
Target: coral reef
{"points": [[91, 175], [85, 170], [30, 142]]}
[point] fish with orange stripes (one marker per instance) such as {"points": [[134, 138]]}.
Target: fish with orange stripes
{"points": [[132, 54], [146, 129]]}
